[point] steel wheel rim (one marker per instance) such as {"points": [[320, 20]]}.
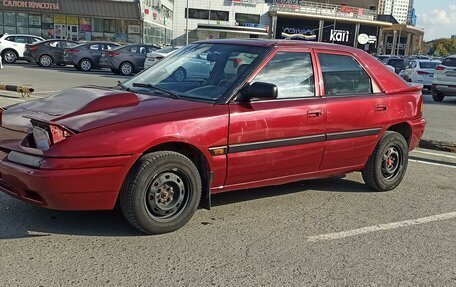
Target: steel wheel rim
{"points": [[45, 61], [167, 195], [392, 163], [10, 57], [179, 75], [126, 69], [86, 65]]}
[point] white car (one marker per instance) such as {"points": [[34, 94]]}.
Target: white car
{"points": [[444, 83], [420, 72], [155, 57], [12, 46]]}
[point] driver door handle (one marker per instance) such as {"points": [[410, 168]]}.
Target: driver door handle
{"points": [[314, 113]]}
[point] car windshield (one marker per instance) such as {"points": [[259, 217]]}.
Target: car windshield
{"points": [[199, 71], [429, 65]]}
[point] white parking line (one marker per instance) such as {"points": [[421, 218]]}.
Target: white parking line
{"points": [[381, 227], [434, 153], [432, 163]]}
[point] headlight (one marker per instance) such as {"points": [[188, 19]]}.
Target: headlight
{"points": [[41, 137]]}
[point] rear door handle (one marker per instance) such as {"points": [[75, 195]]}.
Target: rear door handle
{"points": [[314, 113], [381, 108]]}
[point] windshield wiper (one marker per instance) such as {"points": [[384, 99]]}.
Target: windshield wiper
{"points": [[157, 90], [122, 86]]}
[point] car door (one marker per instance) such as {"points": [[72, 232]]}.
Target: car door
{"points": [[56, 50], [282, 138], [139, 57], [357, 111]]}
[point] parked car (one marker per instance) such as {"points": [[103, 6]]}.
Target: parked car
{"points": [[12, 46], [126, 60], [444, 82], [161, 147], [85, 57], [48, 52], [156, 56], [420, 72], [397, 63]]}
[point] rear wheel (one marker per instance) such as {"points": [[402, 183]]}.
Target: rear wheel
{"points": [[180, 74], [45, 61], [10, 56], [387, 165], [438, 97], [85, 65], [126, 68], [161, 192]]}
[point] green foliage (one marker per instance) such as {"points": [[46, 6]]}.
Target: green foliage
{"points": [[442, 47]]}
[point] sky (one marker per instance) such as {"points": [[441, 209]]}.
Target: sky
{"points": [[437, 17]]}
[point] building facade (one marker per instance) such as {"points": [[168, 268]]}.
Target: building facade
{"points": [[401, 10], [347, 22], [124, 21]]}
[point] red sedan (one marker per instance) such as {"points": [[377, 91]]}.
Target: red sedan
{"points": [[291, 111]]}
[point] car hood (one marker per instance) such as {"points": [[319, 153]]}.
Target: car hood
{"points": [[90, 107]]}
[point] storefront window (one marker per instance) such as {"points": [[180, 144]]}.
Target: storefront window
{"points": [[243, 19], [9, 19], [1, 19], [97, 25], [109, 26], [35, 21], [22, 20]]}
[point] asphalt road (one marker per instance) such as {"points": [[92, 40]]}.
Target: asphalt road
{"points": [[329, 232], [261, 237]]}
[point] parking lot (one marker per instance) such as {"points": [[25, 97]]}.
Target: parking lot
{"points": [[328, 232]]}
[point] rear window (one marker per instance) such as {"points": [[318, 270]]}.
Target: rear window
{"points": [[428, 65], [449, 62], [397, 63], [343, 76]]}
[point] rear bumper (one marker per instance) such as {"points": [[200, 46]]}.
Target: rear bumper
{"points": [[447, 90], [418, 126], [78, 184]]}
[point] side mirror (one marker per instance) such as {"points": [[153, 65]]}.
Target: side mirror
{"points": [[259, 90]]}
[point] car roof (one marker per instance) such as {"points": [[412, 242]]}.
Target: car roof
{"points": [[22, 35]]}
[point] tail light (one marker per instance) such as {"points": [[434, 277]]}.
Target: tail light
{"points": [[112, 54], [422, 73], [158, 58], [72, 51], [32, 48], [440, 68]]}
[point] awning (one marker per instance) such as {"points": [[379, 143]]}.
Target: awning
{"points": [[233, 29]]}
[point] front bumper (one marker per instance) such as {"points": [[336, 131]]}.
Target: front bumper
{"points": [[67, 183]]}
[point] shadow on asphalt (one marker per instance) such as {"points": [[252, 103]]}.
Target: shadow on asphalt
{"points": [[25, 221], [447, 101]]}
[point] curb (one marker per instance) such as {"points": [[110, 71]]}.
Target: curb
{"points": [[438, 145]]}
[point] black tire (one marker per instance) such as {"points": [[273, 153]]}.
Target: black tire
{"points": [[148, 197], [384, 174], [438, 97], [126, 69], [85, 65], [45, 61], [10, 56], [115, 71], [180, 74]]}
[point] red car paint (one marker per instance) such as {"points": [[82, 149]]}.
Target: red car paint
{"points": [[114, 128]]}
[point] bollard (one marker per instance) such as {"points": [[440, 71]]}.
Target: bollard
{"points": [[25, 91]]}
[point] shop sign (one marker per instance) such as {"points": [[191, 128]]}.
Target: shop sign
{"points": [[339, 36], [347, 9], [366, 39], [31, 5], [251, 3]]}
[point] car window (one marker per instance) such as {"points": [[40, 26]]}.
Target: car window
{"points": [[54, 44], [291, 72], [449, 62], [343, 76], [429, 65], [413, 65], [21, 39], [10, 38], [142, 50], [35, 40], [70, 44], [111, 46], [397, 63], [94, 47]]}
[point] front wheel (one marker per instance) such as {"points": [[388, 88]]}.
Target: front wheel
{"points": [[180, 74], [161, 192], [85, 65], [387, 165], [10, 56], [45, 61], [126, 69], [438, 97]]}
